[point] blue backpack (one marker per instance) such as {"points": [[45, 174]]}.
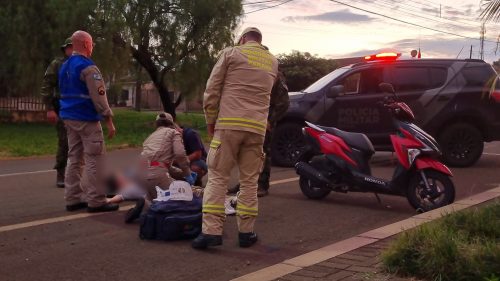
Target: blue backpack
{"points": [[172, 220]]}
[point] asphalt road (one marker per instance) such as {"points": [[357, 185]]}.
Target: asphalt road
{"points": [[102, 247]]}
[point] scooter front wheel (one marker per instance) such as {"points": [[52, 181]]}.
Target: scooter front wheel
{"points": [[439, 191], [312, 190]]}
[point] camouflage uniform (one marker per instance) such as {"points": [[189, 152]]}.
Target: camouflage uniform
{"points": [[278, 107], [50, 96]]}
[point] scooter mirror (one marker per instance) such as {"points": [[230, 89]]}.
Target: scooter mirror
{"points": [[387, 88], [335, 91]]}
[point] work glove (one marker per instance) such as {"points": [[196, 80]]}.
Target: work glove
{"points": [[191, 178]]}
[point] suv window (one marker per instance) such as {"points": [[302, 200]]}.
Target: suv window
{"points": [[438, 76], [408, 79], [415, 79], [477, 76], [364, 81]]}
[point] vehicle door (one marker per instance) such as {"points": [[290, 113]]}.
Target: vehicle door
{"points": [[418, 86], [359, 109]]}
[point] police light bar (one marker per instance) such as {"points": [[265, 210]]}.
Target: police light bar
{"points": [[383, 56]]}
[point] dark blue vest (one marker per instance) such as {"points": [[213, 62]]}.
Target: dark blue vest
{"points": [[75, 101]]}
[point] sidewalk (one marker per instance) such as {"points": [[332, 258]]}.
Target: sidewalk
{"points": [[357, 258]]}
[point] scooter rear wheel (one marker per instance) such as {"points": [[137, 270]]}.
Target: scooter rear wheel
{"points": [[311, 190], [441, 193]]}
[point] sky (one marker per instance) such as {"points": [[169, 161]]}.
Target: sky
{"points": [[442, 29]]}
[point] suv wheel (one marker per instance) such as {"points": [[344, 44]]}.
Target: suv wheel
{"points": [[288, 144], [462, 144]]}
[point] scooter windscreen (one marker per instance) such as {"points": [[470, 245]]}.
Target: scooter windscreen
{"points": [[421, 135]]}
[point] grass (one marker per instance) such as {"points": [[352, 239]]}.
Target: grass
{"points": [[461, 246], [34, 139]]}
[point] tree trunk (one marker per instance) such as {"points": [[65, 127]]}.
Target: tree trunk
{"points": [[138, 85], [166, 101]]}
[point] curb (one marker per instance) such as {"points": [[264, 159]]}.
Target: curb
{"points": [[336, 249]]}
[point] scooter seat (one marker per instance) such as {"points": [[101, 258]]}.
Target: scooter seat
{"points": [[355, 140]]}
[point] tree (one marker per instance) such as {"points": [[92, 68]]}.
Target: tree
{"points": [[32, 32], [492, 10], [174, 41], [302, 69]]}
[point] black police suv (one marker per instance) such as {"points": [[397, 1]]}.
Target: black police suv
{"points": [[456, 101]]}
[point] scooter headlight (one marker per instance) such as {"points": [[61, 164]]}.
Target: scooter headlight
{"points": [[412, 155]]}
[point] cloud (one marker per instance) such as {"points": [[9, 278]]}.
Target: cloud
{"points": [[431, 47], [343, 16]]}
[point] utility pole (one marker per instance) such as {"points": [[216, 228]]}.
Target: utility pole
{"points": [[481, 48], [470, 55]]}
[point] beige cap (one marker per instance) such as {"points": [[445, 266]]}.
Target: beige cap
{"points": [[248, 29], [165, 116]]}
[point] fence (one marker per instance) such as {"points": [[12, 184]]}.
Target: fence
{"points": [[29, 103]]}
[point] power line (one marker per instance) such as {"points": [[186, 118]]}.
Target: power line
{"points": [[389, 5], [268, 7], [406, 22], [260, 2]]}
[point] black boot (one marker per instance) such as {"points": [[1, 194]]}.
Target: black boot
{"points": [[135, 212], [205, 240], [261, 192], [108, 207], [60, 178], [247, 239]]}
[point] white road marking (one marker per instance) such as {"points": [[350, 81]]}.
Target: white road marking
{"points": [[27, 173], [495, 154], [86, 215], [283, 181], [53, 220]]}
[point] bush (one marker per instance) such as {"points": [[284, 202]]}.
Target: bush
{"points": [[460, 246]]}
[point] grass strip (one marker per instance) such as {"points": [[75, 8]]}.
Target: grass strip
{"points": [[462, 246], [35, 139]]}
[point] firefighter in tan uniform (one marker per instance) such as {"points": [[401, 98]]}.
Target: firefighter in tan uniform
{"points": [[160, 150], [236, 105], [83, 104]]}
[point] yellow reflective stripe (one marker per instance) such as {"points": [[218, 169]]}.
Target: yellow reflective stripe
{"points": [[253, 214], [214, 211], [246, 208], [211, 110], [215, 144], [242, 125], [243, 120], [213, 206]]}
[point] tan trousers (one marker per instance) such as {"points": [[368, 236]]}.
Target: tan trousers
{"points": [[150, 177], [227, 149], [86, 147]]}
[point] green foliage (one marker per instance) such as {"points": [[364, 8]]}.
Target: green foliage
{"points": [[31, 139], [175, 41], [31, 33], [303, 69], [459, 247], [491, 10]]}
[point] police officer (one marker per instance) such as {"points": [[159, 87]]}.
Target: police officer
{"points": [[277, 109], [236, 105], [50, 94], [83, 105]]}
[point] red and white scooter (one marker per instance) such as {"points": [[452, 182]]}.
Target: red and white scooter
{"points": [[336, 160]]}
